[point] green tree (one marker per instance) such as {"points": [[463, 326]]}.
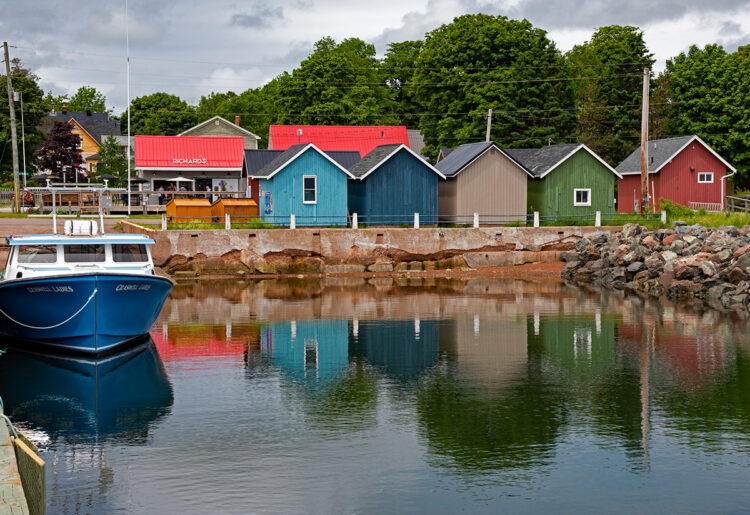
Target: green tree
{"points": [[88, 99], [706, 92], [338, 84], [158, 114], [112, 161], [397, 72], [28, 120], [480, 62], [607, 74], [60, 154]]}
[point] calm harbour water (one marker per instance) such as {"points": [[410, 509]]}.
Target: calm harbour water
{"points": [[346, 396]]}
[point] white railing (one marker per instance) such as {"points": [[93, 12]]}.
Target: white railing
{"points": [[711, 207]]}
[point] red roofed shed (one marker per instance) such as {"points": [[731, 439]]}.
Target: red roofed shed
{"points": [[362, 138]]}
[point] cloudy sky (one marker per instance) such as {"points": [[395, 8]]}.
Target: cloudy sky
{"points": [[191, 48]]}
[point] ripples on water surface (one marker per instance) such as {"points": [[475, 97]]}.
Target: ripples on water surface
{"points": [[340, 396]]}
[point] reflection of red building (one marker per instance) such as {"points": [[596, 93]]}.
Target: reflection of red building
{"points": [[692, 358], [178, 342]]}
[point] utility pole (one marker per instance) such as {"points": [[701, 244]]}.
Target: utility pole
{"points": [[13, 135], [489, 125], [644, 141]]}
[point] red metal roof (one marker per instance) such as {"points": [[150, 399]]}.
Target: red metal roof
{"points": [[189, 152], [362, 138]]}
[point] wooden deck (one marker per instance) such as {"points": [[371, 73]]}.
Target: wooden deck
{"points": [[12, 499]]}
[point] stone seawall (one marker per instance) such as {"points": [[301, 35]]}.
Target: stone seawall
{"points": [[685, 263], [351, 251]]}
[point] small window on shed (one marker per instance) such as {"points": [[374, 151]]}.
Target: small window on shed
{"points": [[582, 197], [705, 177], [309, 189]]}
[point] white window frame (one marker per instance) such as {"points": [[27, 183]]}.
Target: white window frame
{"points": [[710, 175], [315, 190], [588, 197]]}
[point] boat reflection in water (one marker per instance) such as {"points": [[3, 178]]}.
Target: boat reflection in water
{"points": [[78, 399]]}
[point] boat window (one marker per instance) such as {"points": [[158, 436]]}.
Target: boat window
{"points": [[92, 253], [37, 254], [129, 253]]}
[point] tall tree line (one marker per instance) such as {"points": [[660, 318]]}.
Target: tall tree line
{"points": [[446, 84]]}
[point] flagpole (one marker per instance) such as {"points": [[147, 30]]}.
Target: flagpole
{"points": [[127, 52]]}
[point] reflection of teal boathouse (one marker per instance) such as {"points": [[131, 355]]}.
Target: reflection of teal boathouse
{"points": [[320, 349]]}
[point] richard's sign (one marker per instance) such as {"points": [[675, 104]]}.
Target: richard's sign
{"points": [[189, 161]]}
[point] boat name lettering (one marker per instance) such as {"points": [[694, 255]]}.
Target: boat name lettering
{"points": [[50, 289], [133, 287], [189, 160]]}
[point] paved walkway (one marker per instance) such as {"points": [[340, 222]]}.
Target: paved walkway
{"points": [[12, 500]]}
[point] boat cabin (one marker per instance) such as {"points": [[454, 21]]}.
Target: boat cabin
{"points": [[79, 250]]}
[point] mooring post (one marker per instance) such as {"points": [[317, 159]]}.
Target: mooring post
{"points": [[536, 218], [227, 222], [476, 220], [355, 222], [164, 221], [416, 220], [598, 219], [292, 221]]}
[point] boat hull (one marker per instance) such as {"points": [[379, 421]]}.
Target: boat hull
{"points": [[89, 313]]}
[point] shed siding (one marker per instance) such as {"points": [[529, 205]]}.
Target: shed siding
{"points": [[447, 197], [286, 192], [223, 129], [397, 189], [676, 181], [553, 195], [491, 185]]}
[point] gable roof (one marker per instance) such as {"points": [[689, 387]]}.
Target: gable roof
{"points": [[661, 152], [257, 159], [282, 160], [95, 125], [222, 121], [380, 155], [217, 153], [362, 138], [541, 161], [456, 160]]}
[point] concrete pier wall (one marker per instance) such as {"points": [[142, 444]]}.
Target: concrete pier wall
{"points": [[351, 251]]}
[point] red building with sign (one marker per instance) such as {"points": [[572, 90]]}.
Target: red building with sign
{"points": [[193, 163]]}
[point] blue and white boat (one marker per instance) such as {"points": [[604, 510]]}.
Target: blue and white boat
{"points": [[80, 291]]}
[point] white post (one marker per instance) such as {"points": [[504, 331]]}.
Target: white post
{"points": [[536, 218], [355, 221], [663, 217], [598, 219], [227, 222], [292, 221], [416, 220], [476, 220], [164, 221]]}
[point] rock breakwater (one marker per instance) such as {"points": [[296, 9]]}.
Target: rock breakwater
{"points": [[686, 262]]}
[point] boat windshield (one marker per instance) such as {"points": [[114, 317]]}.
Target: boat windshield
{"points": [[87, 253], [129, 253], [37, 254]]}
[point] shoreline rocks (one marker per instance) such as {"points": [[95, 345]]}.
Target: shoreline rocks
{"points": [[683, 263]]}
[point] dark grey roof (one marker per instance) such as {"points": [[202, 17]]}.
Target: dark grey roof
{"points": [[539, 161], [371, 160], [265, 163], [96, 124], [455, 160], [416, 140], [659, 152], [256, 160], [346, 158]]}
